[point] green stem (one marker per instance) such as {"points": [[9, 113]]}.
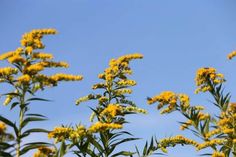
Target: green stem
{"points": [[21, 118]]}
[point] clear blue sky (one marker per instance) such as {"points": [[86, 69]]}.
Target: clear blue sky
{"points": [[175, 37]]}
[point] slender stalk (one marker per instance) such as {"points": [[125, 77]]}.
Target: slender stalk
{"points": [[21, 118]]}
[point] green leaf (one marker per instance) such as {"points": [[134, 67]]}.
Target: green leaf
{"points": [[34, 145], [37, 99], [123, 153], [31, 119], [14, 105], [9, 123], [34, 130], [5, 154]]}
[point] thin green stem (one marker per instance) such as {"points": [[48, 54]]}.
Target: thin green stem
{"points": [[21, 118]]}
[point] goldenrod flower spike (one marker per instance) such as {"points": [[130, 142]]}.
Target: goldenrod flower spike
{"points": [[218, 154], [44, 152], [231, 55], [100, 127], [206, 78]]}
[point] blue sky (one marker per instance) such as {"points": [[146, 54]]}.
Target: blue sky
{"points": [[175, 37]]}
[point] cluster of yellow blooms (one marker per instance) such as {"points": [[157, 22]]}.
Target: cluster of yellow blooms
{"points": [[67, 133], [112, 110], [123, 91], [226, 121], [29, 64], [170, 98], [32, 40], [206, 78], [134, 109], [218, 154], [44, 152], [3, 128], [231, 55], [100, 127], [210, 143], [7, 71], [118, 68], [179, 139], [126, 83]]}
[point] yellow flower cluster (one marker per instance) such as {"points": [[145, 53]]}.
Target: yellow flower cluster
{"points": [[82, 99], [118, 67], [112, 110], [103, 99], [186, 125], [100, 127], [203, 116], [134, 109], [44, 152], [16, 59], [7, 71], [66, 77], [210, 143], [166, 97], [179, 139], [6, 55], [33, 69], [24, 79], [32, 40], [184, 101], [126, 83], [98, 85], [67, 133], [123, 91], [8, 100], [231, 55], [42, 56], [212, 133], [206, 77], [171, 99], [218, 154], [3, 128]]}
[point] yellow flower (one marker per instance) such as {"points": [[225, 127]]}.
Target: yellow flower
{"points": [[6, 55], [184, 101], [42, 56], [134, 109], [8, 100], [186, 125], [3, 128], [207, 76], [34, 68], [213, 132], [126, 83], [67, 133], [112, 110], [16, 59], [218, 154], [54, 64], [179, 139], [165, 98], [123, 91], [44, 152], [66, 77], [210, 143], [29, 50], [100, 127], [7, 71], [24, 79], [231, 55], [33, 39]]}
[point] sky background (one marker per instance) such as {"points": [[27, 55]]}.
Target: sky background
{"points": [[175, 37]]}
